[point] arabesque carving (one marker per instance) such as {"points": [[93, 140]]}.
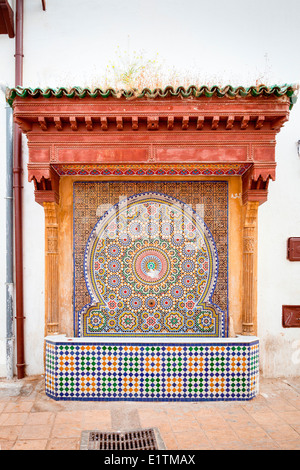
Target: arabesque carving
{"points": [[249, 267], [51, 269]]}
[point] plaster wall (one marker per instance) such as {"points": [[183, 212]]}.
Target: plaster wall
{"points": [[95, 32], [278, 278], [6, 77], [12, 3], [34, 279], [2, 241]]}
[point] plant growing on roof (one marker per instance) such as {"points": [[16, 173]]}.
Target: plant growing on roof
{"points": [[133, 71]]}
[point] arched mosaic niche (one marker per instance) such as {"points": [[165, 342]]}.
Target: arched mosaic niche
{"points": [[151, 267]]}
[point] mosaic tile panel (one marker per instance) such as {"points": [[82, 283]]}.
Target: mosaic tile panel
{"points": [[254, 369], [151, 264], [50, 368], [149, 372]]}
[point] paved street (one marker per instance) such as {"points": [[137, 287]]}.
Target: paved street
{"points": [[30, 420]]}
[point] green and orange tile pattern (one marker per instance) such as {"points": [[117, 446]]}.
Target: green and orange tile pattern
{"points": [[151, 372]]}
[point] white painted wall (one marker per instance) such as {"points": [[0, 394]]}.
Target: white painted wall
{"points": [[279, 278], [6, 77], [73, 42]]}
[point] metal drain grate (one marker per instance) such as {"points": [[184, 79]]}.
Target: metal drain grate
{"points": [[144, 439]]}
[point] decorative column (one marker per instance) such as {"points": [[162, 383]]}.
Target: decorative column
{"points": [[51, 269], [249, 267]]}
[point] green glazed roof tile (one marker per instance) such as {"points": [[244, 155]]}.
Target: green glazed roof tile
{"points": [[169, 91]]}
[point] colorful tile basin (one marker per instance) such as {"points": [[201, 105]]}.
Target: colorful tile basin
{"points": [[152, 369]]}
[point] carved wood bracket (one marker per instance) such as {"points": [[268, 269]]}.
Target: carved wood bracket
{"points": [[46, 183], [255, 182]]}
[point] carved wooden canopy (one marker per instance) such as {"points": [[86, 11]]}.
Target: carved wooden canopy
{"points": [[171, 133]]}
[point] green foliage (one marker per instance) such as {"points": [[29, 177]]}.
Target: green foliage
{"points": [[132, 71]]}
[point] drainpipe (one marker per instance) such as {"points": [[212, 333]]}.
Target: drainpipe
{"points": [[9, 246], [17, 186]]}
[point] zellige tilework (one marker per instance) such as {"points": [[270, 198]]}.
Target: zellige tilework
{"points": [[151, 262], [149, 372]]}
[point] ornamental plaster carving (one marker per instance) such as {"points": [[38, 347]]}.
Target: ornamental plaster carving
{"points": [[51, 269]]}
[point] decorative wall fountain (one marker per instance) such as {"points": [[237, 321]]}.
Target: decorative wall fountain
{"points": [[151, 208]]}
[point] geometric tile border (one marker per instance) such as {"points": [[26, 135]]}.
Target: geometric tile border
{"points": [[192, 169], [101, 370]]}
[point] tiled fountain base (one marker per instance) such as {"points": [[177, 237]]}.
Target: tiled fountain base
{"points": [[160, 369]]}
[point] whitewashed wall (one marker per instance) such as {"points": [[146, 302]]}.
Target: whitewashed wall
{"points": [[73, 42], [279, 278], [6, 77]]}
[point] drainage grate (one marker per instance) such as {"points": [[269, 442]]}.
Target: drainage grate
{"points": [[144, 439]]}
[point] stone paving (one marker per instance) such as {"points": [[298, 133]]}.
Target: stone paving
{"points": [[271, 421]]}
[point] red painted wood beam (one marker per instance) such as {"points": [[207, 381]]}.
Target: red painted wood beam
{"points": [[175, 131], [6, 19]]}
